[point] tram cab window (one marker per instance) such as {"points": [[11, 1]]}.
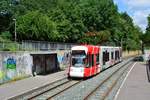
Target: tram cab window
{"points": [[78, 58], [78, 61]]}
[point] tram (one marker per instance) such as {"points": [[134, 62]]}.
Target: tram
{"points": [[89, 60]]}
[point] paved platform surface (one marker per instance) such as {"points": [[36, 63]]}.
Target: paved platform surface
{"points": [[136, 86], [15, 88]]}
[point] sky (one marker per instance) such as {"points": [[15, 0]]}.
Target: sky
{"points": [[137, 9]]}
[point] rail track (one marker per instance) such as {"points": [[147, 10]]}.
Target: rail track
{"points": [[60, 87], [37, 91], [83, 90], [47, 95], [48, 91], [105, 87], [57, 90]]}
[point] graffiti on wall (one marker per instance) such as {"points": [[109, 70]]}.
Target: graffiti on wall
{"points": [[24, 64], [14, 65], [11, 63], [63, 58], [10, 67]]}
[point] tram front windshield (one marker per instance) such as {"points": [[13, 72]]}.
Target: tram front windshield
{"points": [[78, 58]]}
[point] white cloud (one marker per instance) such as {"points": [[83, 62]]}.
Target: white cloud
{"points": [[137, 3], [138, 10], [140, 18]]}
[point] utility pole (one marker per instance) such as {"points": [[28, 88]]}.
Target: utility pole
{"points": [[121, 44], [15, 30]]}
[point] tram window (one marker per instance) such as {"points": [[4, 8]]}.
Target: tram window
{"points": [[89, 60], [92, 59], [97, 59], [107, 56], [112, 55], [120, 53], [103, 58], [87, 63], [116, 55]]}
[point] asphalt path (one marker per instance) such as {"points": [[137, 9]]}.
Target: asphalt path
{"points": [[136, 85]]}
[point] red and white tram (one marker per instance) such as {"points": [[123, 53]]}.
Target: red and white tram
{"points": [[88, 60]]}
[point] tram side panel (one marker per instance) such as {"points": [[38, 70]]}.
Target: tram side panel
{"points": [[92, 67], [109, 56], [105, 57], [96, 59], [87, 69]]}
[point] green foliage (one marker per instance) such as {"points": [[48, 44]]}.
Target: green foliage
{"points": [[75, 21], [6, 35], [146, 36], [10, 46], [36, 26]]}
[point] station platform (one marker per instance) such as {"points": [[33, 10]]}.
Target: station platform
{"points": [[13, 89], [136, 85]]}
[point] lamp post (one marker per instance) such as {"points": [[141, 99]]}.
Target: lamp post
{"points": [[15, 29], [121, 44]]}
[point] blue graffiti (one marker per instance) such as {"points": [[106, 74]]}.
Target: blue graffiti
{"points": [[11, 63], [60, 59]]}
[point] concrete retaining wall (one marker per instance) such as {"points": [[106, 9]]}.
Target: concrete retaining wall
{"points": [[16, 65], [130, 53]]}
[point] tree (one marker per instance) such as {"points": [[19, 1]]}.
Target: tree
{"points": [[36, 26], [75, 21], [146, 36]]}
